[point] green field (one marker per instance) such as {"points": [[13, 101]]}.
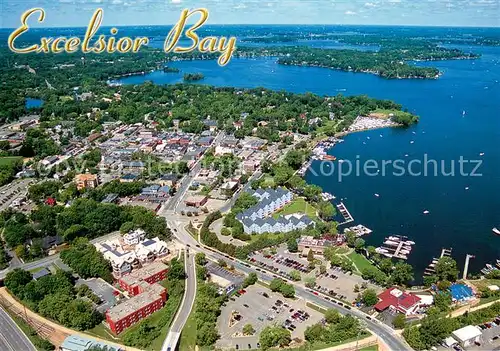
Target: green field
{"points": [[360, 261], [299, 205], [9, 160]]}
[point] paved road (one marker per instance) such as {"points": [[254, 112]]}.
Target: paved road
{"points": [[186, 181], [11, 337], [182, 315], [387, 334], [47, 261]]}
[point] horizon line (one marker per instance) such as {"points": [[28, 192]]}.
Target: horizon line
{"points": [[273, 24]]}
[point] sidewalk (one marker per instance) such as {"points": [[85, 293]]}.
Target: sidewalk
{"points": [[54, 332]]}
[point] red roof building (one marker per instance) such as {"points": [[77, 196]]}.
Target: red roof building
{"points": [[406, 303], [50, 201], [147, 297]]}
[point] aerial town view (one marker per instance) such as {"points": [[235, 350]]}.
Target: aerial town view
{"points": [[199, 175]]}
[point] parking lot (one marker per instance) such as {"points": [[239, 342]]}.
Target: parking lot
{"points": [[335, 282], [102, 289], [341, 285], [260, 307], [12, 191], [282, 262]]}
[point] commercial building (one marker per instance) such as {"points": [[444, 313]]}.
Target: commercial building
{"points": [[403, 302], [318, 246], [150, 299], [86, 181], [467, 336], [196, 201], [80, 343]]}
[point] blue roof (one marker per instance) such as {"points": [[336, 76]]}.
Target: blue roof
{"points": [[461, 292], [80, 343], [148, 242], [130, 176]]}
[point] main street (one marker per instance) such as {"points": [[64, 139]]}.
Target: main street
{"points": [[384, 332], [12, 337]]}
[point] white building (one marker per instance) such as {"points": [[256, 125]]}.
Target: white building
{"points": [[125, 256], [134, 237], [467, 336]]}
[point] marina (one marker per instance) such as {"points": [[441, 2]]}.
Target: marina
{"points": [[327, 197], [431, 269], [348, 218], [359, 230], [396, 246]]}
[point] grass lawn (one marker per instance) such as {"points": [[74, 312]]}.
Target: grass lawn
{"points": [[340, 250], [102, 332], [483, 283], [360, 261], [298, 205], [268, 182], [192, 231], [9, 159], [370, 348]]}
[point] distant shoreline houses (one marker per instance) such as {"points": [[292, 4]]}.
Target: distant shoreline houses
{"points": [[257, 219]]}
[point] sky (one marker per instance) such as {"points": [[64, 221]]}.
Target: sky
{"points": [[76, 13]]}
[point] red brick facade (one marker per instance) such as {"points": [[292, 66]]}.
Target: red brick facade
{"points": [[146, 297]]}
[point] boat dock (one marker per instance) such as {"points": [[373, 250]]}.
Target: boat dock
{"points": [[345, 214], [359, 230], [431, 268], [302, 171], [327, 196], [396, 246]]}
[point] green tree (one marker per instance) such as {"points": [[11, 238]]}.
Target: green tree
{"points": [[292, 245], [276, 284], [443, 301], [402, 273], [369, 297], [295, 275], [287, 290], [176, 270], [274, 337], [385, 265], [310, 282], [16, 280], [446, 269], [332, 316], [310, 256], [359, 244], [200, 259], [251, 279], [399, 322], [248, 329]]}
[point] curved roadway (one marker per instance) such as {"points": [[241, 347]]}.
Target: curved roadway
{"points": [[384, 332]]}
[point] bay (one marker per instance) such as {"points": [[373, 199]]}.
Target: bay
{"points": [[459, 218]]}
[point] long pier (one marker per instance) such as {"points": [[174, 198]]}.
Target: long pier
{"points": [[348, 218]]}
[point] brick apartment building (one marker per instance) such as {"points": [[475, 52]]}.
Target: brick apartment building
{"points": [[147, 297], [152, 273]]}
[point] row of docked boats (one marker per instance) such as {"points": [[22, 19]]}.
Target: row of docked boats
{"points": [[396, 246]]}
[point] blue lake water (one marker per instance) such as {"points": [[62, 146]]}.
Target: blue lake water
{"points": [[459, 218], [33, 103]]}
